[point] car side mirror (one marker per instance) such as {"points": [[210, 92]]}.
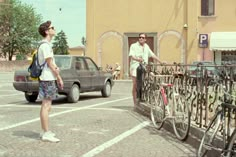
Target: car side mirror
{"points": [[100, 68]]}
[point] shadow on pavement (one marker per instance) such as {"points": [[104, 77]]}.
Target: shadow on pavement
{"points": [[128, 108], [28, 134]]}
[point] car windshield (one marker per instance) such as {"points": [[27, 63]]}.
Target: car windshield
{"points": [[63, 62]]}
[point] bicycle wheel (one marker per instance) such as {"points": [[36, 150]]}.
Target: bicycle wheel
{"points": [[209, 136], [231, 150], [181, 121], [157, 110]]}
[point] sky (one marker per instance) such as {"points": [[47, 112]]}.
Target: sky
{"points": [[66, 15]]}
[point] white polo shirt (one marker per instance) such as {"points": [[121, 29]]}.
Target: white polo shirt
{"points": [[45, 51], [137, 50]]}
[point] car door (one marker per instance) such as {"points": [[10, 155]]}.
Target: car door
{"points": [[95, 74], [83, 74]]}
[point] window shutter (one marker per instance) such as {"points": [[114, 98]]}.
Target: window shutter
{"points": [[204, 7], [211, 8]]}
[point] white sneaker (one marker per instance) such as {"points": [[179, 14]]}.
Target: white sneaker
{"points": [[49, 132], [48, 137]]}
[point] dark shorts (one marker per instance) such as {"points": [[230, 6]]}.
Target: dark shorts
{"points": [[47, 89]]}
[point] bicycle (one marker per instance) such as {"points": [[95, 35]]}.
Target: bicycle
{"points": [[148, 84], [221, 119], [178, 112]]}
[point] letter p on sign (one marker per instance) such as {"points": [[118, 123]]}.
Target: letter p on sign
{"points": [[203, 40]]}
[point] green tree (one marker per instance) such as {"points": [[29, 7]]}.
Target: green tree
{"points": [[83, 41], [60, 44], [18, 28]]}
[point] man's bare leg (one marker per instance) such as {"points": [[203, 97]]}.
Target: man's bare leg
{"points": [[44, 112], [134, 90]]}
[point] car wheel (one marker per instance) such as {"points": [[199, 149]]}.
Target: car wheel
{"points": [[106, 91], [74, 94], [31, 97]]}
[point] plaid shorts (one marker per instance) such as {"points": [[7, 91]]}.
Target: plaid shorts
{"points": [[47, 89]]}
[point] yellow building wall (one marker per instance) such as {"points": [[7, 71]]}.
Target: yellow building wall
{"points": [[108, 53], [223, 21], [165, 17], [170, 49], [131, 16]]}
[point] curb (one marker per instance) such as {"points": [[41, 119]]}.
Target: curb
{"points": [[195, 133], [123, 81]]}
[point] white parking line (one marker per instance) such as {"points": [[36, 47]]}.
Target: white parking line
{"points": [[5, 85], [9, 95], [7, 90], [60, 113], [115, 140], [7, 105], [108, 109], [61, 107]]}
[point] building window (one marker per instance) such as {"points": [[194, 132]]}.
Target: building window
{"points": [[228, 57], [207, 7]]}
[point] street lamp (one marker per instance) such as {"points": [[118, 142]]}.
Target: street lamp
{"points": [[185, 26], [84, 42]]}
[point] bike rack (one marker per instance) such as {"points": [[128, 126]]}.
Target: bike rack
{"points": [[200, 90]]}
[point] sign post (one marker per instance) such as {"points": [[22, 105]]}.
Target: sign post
{"points": [[203, 43]]}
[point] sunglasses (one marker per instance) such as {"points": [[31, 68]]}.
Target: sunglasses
{"points": [[141, 37], [51, 28]]}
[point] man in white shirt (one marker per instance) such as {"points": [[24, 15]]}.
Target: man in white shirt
{"points": [[49, 80], [139, 52]]}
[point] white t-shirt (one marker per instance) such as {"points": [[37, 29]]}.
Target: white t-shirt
{"points": [[45, 51], [137, 50]]}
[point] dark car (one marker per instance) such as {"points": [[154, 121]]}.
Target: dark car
{"points": [[202, 68], [80, 74]]}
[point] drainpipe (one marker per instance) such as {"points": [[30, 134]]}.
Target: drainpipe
{"points": [[186, 32]]}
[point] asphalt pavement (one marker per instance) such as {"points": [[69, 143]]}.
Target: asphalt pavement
{"points": [[95, 126]]}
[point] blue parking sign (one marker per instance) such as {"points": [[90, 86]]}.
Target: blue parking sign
{"points": [[203, 40]]}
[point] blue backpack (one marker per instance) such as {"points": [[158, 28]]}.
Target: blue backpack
{"points": [[35, 69]]}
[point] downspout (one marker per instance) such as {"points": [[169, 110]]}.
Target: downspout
{"points": [[186, 32]]}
